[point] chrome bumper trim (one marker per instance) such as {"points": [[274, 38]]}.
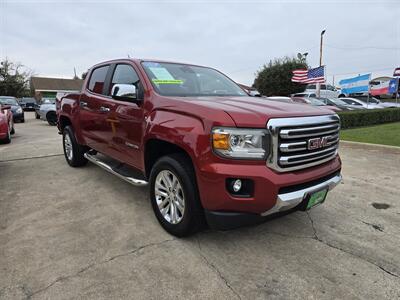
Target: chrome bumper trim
{"points": [[289, 200]]}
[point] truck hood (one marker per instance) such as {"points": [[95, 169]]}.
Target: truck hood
{"points": [[251, 111]]}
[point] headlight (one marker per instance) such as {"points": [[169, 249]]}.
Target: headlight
{"points": [[240, 143], [19, 110]]}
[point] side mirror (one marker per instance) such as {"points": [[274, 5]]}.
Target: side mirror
{"points": [[5, 107], [124, 92]]}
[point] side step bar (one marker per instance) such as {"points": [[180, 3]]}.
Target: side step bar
{"points": [[105, 166]]}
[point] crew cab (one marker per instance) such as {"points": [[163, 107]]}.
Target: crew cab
{"points": [[210, 153]]}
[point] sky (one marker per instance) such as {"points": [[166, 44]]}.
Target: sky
{"points": [[237, 37]]}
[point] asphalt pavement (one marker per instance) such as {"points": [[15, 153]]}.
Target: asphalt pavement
{"points": [[83, 233]]}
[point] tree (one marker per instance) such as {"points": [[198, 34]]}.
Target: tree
{"points": [[14, 80], [274, 79]]}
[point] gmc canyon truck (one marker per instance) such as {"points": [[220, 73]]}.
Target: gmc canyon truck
{"points": [[210, 153]]}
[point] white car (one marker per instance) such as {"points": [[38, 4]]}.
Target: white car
{"points": [[356, 103], [327, 91]]}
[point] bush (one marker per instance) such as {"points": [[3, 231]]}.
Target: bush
{"points": [[358, 118]]}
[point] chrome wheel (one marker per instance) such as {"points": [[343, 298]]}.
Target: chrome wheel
{"points": [[68, 147], [169, 195]]}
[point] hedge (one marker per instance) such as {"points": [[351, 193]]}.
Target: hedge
{"points": [[358, 118]]}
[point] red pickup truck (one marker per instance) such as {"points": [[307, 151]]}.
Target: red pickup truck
{"points": [[210, 153]]}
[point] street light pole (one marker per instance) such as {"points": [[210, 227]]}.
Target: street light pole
{"points": [[320, 61]]}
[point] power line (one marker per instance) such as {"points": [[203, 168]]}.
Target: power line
{"points": [[362, 48]]}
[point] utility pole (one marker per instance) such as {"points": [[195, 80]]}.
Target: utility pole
{"points": [[320, 62]]}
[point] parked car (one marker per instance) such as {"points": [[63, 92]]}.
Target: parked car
{"points": [[6, 123], [357, 104], [17, 111], [315, 102], [375, 100], [337, 103], [27, 103], [326, 91], [208, 150], [47, 111]]}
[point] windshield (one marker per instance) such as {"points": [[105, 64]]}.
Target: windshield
{"points": [[338, 101], [170, 79], [48, 101], [316, 102], [8, 101]]}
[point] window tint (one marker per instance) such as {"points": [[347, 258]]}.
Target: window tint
{"points": [[311, 87], [124, 74], [97, 79]]}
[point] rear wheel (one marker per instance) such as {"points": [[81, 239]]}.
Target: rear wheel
{"points": [[174, 195], [51, 118], [73, 152], [7, 139]]}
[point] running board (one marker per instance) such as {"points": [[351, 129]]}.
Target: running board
{"points": [[107, 167]]}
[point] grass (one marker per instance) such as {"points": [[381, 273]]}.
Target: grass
{"points": [[385, 134]]}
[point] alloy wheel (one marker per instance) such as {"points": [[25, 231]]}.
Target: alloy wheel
{"points": [[68, 147], [169, 196]]}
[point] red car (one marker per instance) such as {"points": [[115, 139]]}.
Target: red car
{"points": [[208, 151], [6, 124]]}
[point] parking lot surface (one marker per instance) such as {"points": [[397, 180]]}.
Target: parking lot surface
{"points": [[83, 233]]}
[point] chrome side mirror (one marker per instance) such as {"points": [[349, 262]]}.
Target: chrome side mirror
{"points": [[125, 92]]}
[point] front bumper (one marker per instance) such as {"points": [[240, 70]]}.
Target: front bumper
{"points": [[18, 116], [286, 202]]}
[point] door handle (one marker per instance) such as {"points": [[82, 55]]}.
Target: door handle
{"points": [[104, 109], [83, 104]]}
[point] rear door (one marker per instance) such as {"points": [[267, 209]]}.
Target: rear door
{"points": [[95, 110]]}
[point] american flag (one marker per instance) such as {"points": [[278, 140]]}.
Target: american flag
{"points": [[309, 76]]}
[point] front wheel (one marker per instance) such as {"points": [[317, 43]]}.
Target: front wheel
{"points": [[73, 152], [51, 118], [174, 195]]}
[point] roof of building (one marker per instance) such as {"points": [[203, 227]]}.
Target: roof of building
{"points": [[55, 84]]}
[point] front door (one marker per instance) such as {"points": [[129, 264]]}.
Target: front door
{"points": [[126, 119]]}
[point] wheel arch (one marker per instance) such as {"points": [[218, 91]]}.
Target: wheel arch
{"points": [[156, 148]]}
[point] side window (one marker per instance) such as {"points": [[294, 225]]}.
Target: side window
{"points": [[124, 74], [323, 86], [96, 82]]}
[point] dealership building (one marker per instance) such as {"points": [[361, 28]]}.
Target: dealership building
{"points": [[45, 87]]}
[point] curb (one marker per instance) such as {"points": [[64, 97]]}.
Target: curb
{"points": [[368, 144]]}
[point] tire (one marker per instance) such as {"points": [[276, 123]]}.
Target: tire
{"points": [[7, 139], [12, 130], [73, 152], [23, 120], [37, 116], [189, 218], [51, 118]]}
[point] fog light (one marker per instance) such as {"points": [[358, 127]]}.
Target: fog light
{"points": [[237, 185]]}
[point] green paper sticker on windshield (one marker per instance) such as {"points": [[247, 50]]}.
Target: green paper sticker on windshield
{"points": [[161, 73], [164, 81]]}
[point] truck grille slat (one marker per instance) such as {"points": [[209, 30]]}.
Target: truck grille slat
{"points": [[306, 132], [299, 143]]}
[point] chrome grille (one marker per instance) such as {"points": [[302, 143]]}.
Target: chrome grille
{"points": [[299, 143]]}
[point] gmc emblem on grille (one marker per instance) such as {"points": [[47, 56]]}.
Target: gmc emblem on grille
{"points": [[317, 143]]}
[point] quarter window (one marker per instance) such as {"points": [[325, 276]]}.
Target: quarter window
{"points": [[97, 80]]}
